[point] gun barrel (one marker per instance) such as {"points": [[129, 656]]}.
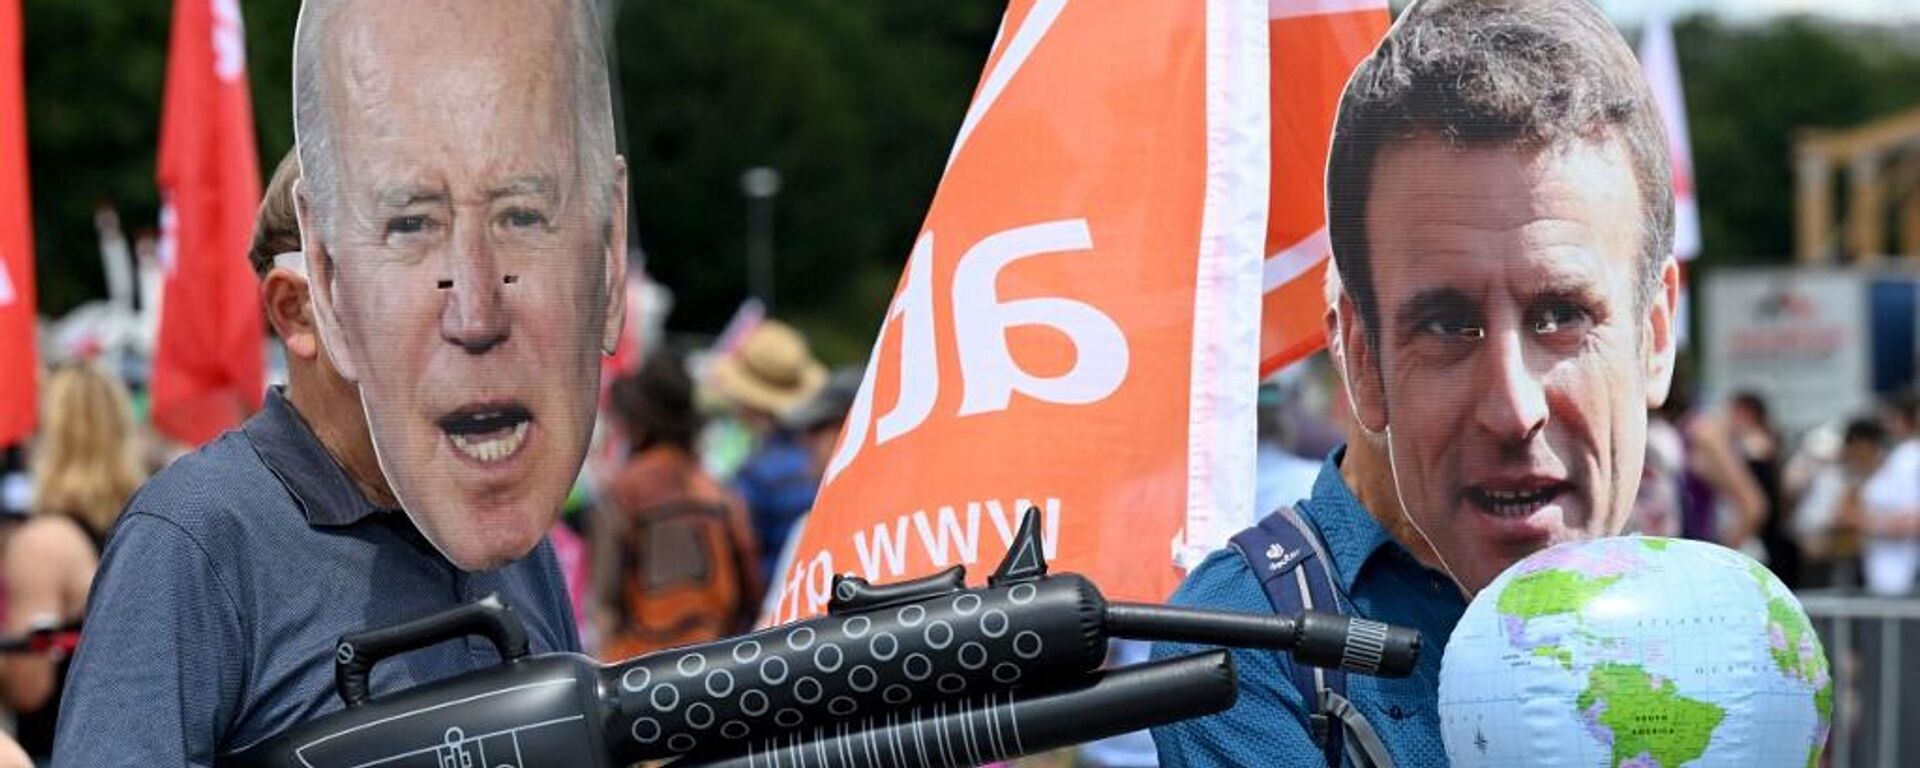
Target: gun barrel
{"points": [[842, 666], [1002, 725], [1314, 638]]}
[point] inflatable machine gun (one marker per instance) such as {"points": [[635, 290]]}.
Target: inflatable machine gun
{"points": [[917, 673]]}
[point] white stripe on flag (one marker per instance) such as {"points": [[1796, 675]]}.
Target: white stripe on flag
{"points": [[1292, 9], [6, 283], [1225, 367], [1296, 259]]}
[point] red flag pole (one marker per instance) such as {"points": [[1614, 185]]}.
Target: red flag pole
{"points": [[19, 366], [208, 366]]}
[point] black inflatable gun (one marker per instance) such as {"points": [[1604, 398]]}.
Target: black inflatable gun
{"points": [[918, 673]]}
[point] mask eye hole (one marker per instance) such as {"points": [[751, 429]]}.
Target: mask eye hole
{"points": [[446, 285], [510, 279]]}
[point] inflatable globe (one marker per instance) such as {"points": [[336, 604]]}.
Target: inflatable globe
{"points": [[1635, 652]]}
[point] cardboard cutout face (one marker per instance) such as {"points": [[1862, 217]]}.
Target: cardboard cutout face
{"points": [[1500, 206], [1512, 363], [465, 256]]}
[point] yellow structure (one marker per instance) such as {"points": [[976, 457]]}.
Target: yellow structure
{"points": [[1881, 160]]}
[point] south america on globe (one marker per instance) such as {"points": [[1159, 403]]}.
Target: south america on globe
{"points": [[1635, 652]]}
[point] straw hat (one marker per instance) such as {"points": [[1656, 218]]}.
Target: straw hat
{"points": [[771, 371]]}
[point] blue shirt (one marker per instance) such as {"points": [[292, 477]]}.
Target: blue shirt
{"points": [[229, 578], [1380, 579], [778, 485]]}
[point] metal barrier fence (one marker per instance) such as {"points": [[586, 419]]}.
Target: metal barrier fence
{"points": [[1876, 717]]}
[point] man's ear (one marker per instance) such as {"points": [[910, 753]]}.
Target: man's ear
{"points": [[1360, 368], [1330, 325], [288, 309], [320, 282], [616, 274], [1660, 340]]}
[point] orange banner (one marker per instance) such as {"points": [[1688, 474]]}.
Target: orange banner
{"points": [[1316, 45], [1077, 325]]}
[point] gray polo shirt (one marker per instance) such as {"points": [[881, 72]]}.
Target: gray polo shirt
{"points": [[226, 583]]}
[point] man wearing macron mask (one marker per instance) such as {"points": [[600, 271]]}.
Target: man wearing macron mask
{"points": [[1500, 211], [464, 261]]}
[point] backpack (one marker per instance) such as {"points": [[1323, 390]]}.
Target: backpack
{"points": [[683, 576], [1286, 555]]}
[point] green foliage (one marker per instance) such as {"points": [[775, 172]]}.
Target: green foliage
{"points": [[96, 71], [856, 104], [1749, 89]]}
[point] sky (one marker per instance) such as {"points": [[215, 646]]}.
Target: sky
{"points": [[1870, 11]]}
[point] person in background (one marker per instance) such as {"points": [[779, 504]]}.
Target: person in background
{"points": [[1657, 509], [1720, 502], [1827, 522], [674, 556], [11, 755], [816, 422], [16, 485], [1890, 504], [1758, 445], [770, 373], [1281, 477], [84, 470]]}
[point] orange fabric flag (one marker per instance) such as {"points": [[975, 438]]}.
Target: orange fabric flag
{"points": [[208, 367], [19, 366], [1078, 324], [1316, 45]]}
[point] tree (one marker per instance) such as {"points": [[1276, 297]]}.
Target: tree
{"points": [[1749, 90], [856, 104]]}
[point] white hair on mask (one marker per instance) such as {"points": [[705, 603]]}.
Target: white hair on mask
{"points": [[313, 119]]}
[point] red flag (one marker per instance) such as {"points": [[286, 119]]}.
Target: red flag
{"points": [[18, 367], [1316, 45], [208, 370]]}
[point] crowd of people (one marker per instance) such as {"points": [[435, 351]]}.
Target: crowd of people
{"points": [[677, 552], [703, 462]]}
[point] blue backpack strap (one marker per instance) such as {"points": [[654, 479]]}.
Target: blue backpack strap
{"points": [[1297, 575]]}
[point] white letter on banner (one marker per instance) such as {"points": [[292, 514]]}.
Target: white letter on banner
{"points": [[919, 364], [981, 320], [819, 582], [919, 360]]}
